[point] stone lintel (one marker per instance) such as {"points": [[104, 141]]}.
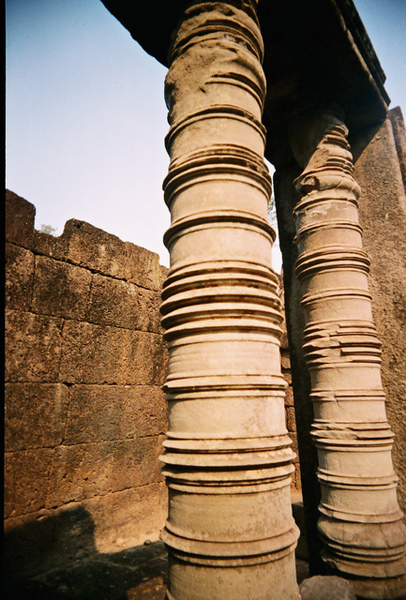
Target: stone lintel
{"points": [[316, 52]]}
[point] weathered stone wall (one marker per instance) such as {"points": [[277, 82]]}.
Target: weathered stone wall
{"points": [[85, 413], [289, 405], [380, 170]]}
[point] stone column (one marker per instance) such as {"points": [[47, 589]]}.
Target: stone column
{"points": [[230, 531], [360, 526]]}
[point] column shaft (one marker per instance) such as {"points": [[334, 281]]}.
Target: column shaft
{"points": [[230, 531], [361, 523]]}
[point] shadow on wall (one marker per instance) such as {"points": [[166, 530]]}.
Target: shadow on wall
{"points": [[62, 548]]}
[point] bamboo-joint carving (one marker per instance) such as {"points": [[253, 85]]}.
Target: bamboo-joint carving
{"points": [[230, 531], [360, 520]]}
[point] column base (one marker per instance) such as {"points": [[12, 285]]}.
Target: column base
{"points": [[275, 580]]}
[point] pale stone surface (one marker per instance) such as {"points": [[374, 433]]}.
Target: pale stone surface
{"points": [[230, 531], [326, 588], [102, 413], [360, 522]]}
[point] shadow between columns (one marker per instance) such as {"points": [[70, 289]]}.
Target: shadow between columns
{"points": [[286, 198]]}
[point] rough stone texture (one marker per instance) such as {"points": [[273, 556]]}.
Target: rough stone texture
{"points": [[289, 402], [70, 287], [20, 216], [326, 588], [31, 406], [360, 520], [382, 213], [19, 277], [111, 355], [84, 410], [228, 461], [33, 347]]}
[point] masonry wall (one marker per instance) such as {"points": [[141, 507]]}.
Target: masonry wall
{"points": [[85, 413], [289, 406]]}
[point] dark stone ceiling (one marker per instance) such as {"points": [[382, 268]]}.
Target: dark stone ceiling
{"points": [[317, 52]]}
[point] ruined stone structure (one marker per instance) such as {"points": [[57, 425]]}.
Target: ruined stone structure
{"points": [[227, 458], [67, 405], [318, 61], [85, 415]]}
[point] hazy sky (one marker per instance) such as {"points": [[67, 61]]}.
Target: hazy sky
{"points": [[86, 117]]}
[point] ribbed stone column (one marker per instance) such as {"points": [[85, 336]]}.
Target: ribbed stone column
{"points": [[361, 523], [230, 531]]}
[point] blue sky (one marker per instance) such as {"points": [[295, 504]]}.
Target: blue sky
{"points": [[86, 118]]}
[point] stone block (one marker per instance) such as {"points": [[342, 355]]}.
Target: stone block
{"points": [[95, 354], [136, 463], [79, 472], [148, 305], [102, 413], [95, 413], [88, 470], [290, 419], [142, 267], [164, 275], [146, 362], [35, 415], [85, 246], [293, 437], [119, 303], [26, 481], [289, 399], [284, 338], [399, 135], [326, 587], [296, 484], [285, 359], [19, 277], [145, 411], [49, 245], [20, 216], [60, 289], [33, 347], [127, 518]]}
